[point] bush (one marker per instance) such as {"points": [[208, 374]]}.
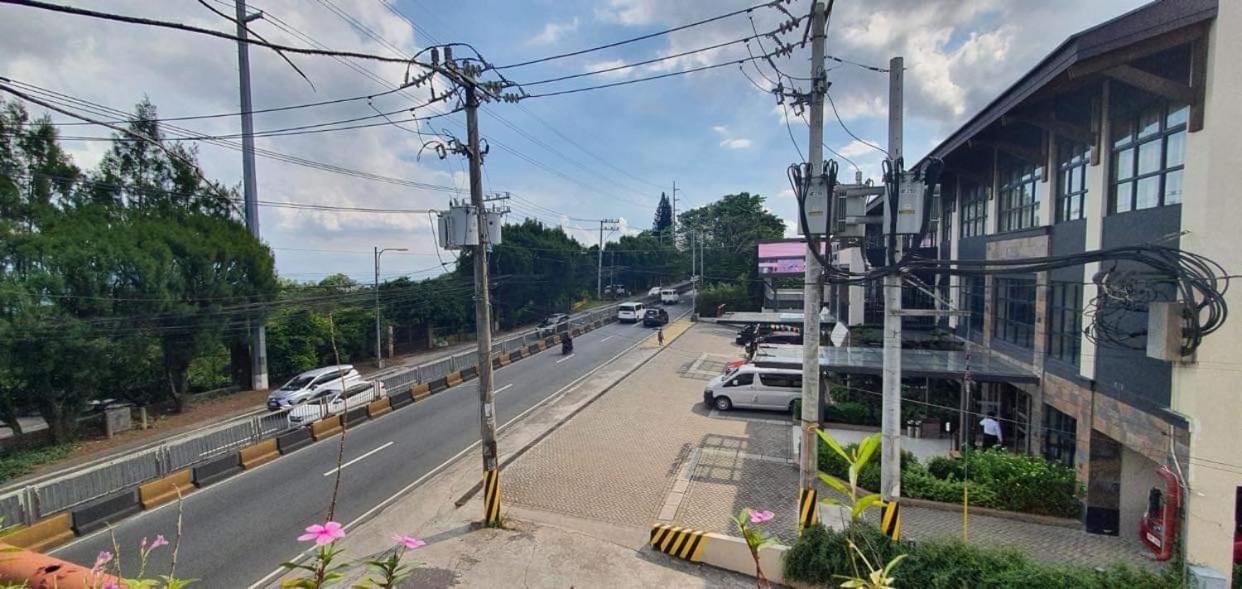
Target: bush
{"points": [[18, 462], [943, 467], [850, 412], [1030, 483], [832, 463], [820, 555], [918, 483]]}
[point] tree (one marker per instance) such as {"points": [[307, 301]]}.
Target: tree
{"points": [[663, 223], [730, 230]]}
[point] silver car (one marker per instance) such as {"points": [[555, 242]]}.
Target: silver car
{"points": [[305, 385]]}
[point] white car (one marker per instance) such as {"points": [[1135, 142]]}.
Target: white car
{"points": [[654, 292], [630, 312], [669, 296], [311, 383], [333, 402]]}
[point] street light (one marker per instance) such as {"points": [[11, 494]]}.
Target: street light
{"points": [[379, 351]]}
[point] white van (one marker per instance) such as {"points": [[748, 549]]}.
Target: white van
{"points": [[752, 387], [669, 296], [630, 312]]}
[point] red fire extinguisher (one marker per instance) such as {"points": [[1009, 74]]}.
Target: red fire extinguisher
{"points": [[1158, 525]]}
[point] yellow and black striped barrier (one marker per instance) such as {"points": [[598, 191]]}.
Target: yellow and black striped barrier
{"points": [[808, 515], [683, 543], [890, 521], [491, 497]]}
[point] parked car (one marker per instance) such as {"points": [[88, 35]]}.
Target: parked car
{"points": [[309, 383], [654, 292], [655, 317], [553, 324], [776, 337], [630, 312], [669, 296], [753, 387], [617, 290], [333, 402], [751, 331]]}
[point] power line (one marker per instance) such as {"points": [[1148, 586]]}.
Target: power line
{"points": [[847, 129], [639, 38], [638, 80], [626, 66]]}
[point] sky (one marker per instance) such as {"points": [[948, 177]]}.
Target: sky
{"points": [[565, 160]]}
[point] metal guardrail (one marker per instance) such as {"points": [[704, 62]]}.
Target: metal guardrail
{"points": [[39, 499]]}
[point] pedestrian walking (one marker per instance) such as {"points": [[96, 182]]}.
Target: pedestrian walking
{"points": [[992, 437], [660, 335]]}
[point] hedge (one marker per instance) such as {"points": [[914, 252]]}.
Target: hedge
{"points": [[821, 557]]}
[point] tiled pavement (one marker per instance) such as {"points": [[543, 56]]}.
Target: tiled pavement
{"points": [[648, 448]]}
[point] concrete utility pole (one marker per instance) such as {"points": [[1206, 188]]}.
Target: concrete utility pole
{"points": [[599, 271], [250, 189], [812, 290], [483, 315], [890, 449], [379, 347], [674, 213]]}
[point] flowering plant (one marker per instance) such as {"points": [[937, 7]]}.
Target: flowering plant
{"points": [[748, 522], [324, 570]]}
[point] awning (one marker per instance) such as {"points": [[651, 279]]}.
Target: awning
{"points": [[770, 318], [982, 365]]}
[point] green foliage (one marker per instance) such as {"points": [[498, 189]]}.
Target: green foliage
{"points": [[663, 222], [730, 230], [18, 462], [833, 464], [943, 467], [734, 297], [919, 483], [850, 412], [1026, 483], [820, 556]]}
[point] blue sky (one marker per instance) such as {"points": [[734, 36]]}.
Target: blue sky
{"points": [[712, 132]]}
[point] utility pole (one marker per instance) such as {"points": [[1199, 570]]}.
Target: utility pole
{"points": [[250, 188], [890, 448], [379, 353], [674, 213], [482, 313], [812, 290], [599, 272]]}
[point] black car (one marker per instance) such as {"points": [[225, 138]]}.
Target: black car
{"points": [[776, 337], [554, 324], [655, 317], [747, 334]]}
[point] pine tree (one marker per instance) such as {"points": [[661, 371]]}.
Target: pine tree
{"points": [[663, 216]]}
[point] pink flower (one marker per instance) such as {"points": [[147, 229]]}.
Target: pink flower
{"points": [[111, 585], [758, 517], [104, 558], [159, 541], [327, 533], [409, 542]]}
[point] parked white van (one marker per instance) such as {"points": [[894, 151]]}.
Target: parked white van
{"points": [[630, 312], [752, 387], [669, 296]]}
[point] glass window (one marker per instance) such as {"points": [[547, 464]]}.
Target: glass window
{"points": [[779, 380], [1019, 196], [743, 380], [1065, 321], [974, 211], [1060, 436], [1072, 160], [975, 300], [1149, 152], [1014, 310]]}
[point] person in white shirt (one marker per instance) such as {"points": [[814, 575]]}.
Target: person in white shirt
{"points": [[991, 431]]}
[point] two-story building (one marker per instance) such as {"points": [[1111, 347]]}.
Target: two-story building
{"points": [[1127, 133]]}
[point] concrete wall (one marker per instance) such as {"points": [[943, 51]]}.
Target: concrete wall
{"points": [[1206, 390], [1138, 476]]}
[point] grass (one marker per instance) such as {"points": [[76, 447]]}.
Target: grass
{"points": [[16, 462]]}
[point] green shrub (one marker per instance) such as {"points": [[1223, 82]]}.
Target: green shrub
{"points": [[850, 412], [869, 478], [18, 462], [1030, 483], [943, 467], [918, 483], [820, 554]]}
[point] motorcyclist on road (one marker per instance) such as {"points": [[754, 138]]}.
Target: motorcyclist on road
{"points": [[567, 343]]}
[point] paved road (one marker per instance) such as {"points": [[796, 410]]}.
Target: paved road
{"points": [[241, 529]]}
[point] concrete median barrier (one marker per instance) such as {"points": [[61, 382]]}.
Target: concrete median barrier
{"points": [[541, 345], [217, 469], [378, 408], [42, 535], [516, 355], [438, 385], [161, 491], [326, 427], [98, 514], [261, 453], [294, 440], [453, 379], [420, 391], [470, 373], [533, 349], [355, 416], [725, 552], [400, 400]]}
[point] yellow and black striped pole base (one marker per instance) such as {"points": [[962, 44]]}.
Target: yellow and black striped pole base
{"points": [[808, 515], [491, 497], [890, 521]]}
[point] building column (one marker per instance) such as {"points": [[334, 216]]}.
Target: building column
{"points": [[1095, 207], [955, 232]]}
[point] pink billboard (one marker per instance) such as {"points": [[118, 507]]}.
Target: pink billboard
{"points": [[782, 257]]}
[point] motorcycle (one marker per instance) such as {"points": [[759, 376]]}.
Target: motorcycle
{"points": [[567, 346]]}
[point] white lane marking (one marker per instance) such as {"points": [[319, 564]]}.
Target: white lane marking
{"points": [[607, 338], [565, 358], [501, 389], [444, 465], [358, 459]]}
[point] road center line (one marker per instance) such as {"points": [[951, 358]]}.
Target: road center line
{"points": [[501, 389], [565, 358], [607, 338], [346, 465]]}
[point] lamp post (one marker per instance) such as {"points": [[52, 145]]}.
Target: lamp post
{"points": [[379, 350]]}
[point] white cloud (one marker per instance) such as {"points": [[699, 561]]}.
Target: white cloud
{"points": [[600, 66], [628, 12], [857, 106], [856, 148], [735, 143], [723, 130], [553, 31]]}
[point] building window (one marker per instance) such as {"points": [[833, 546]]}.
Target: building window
{"points": [[974, 211], [1072, 160], [1065, 321], [1148, 157], [1019, 197], [975, 300], [1060, 436], [1015, 310]]}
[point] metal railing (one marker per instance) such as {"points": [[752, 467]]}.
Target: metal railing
{"points": [[59, 492]]}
